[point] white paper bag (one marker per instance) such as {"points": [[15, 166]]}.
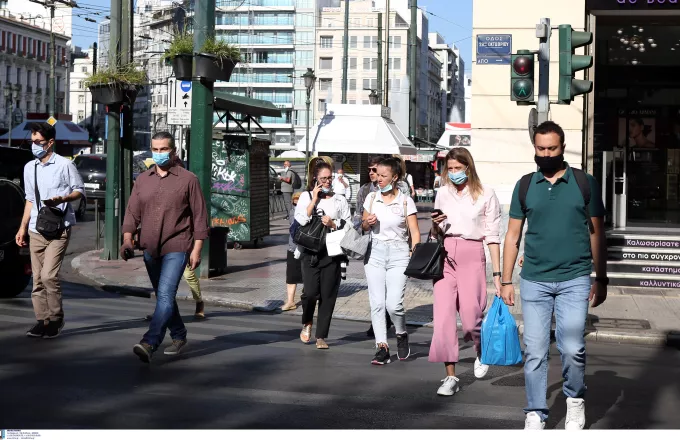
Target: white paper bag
{"points": [[333, 240]]}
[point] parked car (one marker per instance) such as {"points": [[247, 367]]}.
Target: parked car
{"points": [[92, 168], [15, 262]]}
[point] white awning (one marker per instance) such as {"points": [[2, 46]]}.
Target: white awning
{"points": [[354, 128]]}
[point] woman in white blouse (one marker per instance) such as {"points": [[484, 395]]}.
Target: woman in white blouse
{"points": [[320, 272], [390, 215], [468, 215]]}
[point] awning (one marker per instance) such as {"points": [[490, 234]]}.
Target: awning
{"points": [[246, 106], [355, 128], [68, 133]]}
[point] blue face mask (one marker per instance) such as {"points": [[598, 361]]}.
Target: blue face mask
{"points": [[325, 190], [161, 159], [38, 151], [387, 188], [458, 177]]}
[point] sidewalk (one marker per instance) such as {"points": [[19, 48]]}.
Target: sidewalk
{"points": [[255, 280]]}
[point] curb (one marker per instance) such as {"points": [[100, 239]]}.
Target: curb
{"points": [[653, 339]]}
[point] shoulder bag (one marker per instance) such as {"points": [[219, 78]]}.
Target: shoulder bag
{"points": [[427, 260], [50, 221], [355, 245], [311, 236]]}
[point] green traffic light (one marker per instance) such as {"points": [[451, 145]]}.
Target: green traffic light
{"points": [[523, 89]]}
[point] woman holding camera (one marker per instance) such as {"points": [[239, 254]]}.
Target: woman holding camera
{"points": [[467, 215]]}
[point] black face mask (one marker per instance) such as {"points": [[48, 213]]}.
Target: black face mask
{"points": [[549, 164]]}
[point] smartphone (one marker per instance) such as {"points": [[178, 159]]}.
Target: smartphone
{"points": [[437, 212]]}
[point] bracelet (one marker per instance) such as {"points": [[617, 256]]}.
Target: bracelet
{"points": [[506, 284], [497, 274]]}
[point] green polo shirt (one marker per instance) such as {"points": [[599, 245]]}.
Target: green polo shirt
{"points": [[557, 241]]}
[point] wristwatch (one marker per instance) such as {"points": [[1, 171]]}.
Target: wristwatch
{"points": [[603, 280], [497, 274]]}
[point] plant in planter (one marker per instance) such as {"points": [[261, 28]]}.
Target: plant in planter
{"points": [[216, 60], [115, 85], [180, 54]]}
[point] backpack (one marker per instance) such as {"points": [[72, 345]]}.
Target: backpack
{"points": [[295, 182], [583, 185]]}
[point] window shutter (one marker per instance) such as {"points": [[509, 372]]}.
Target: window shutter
{"points": [[44, 51], [24, 46], [2, 43], [35, 47], [14, 43]]}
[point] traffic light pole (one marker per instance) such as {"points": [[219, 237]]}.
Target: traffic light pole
{"points": [[543, 32]]}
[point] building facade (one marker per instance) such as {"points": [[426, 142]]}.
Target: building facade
{"points": [[449, 69], [80, 101], [25, 68]]}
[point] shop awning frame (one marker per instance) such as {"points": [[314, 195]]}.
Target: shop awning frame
{"points": [[227, 104]]}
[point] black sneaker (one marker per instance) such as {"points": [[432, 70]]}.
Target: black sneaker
{"points": [[144, 351], [148, 317], [53, 329], [403, 349], [370, 332], [37, 331], [382, 356]]}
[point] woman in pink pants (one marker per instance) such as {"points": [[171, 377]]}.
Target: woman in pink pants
{"points": [[468, 215]]}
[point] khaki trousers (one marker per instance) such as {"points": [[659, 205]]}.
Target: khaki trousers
{"points": [[46, 259]]}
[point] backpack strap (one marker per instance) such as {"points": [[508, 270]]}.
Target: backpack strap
{"points": [[524, 184], [36, 191], [584, 185]]}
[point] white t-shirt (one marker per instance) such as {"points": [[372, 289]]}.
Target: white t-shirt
{"points": [[392, 224], [437, 183], [409, 180], [335, 207], [338, 187]]}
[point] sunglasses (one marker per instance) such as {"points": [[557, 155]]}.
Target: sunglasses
{"points": [[373, 170]]}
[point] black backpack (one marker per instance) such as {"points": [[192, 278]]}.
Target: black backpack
{"points": [[583, 185], [295, 182]]}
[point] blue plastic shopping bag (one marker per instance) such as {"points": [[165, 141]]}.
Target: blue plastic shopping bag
{"points": [[500, 339]]}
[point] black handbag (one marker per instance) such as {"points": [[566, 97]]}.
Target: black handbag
{"points": [[427, 261], [311, 236], [50, 220]]}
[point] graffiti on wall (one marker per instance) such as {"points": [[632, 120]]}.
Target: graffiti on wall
{"points": [[230, 204]]}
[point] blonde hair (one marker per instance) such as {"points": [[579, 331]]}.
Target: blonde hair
{"points": [[463, 156], [295, 197]]}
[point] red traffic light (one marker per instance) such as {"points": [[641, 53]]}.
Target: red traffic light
{"points": [[523, 65]]}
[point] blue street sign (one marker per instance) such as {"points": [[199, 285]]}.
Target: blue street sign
{"points": [[185, 86], [494, 48]]}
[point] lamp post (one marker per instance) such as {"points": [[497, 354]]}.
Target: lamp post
{"points": [[310, 79], [10, 93]]}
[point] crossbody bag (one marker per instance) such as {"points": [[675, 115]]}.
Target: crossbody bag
{"points": [[50, 220]]}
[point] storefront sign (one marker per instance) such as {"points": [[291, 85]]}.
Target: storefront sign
{"points": [[649, 2], [494, 49], [604, 5]]}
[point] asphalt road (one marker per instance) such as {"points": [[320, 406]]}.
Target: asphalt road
{"points": [[248, 370]]}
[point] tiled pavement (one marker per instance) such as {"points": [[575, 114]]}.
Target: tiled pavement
{"points": [[255, 279]]}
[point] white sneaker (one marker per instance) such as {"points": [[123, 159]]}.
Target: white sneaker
{"points": [[480, 369], [533, 421], [576, 414], [449, 387]]}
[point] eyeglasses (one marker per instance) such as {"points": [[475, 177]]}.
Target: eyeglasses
{"points": [[373, 170], [324, 179]]}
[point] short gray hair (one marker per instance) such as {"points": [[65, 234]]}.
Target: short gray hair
{"points": [[161, 135]]}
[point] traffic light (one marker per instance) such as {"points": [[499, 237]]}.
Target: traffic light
{"points": [[92, 138], [571, 40], [522, 77]]}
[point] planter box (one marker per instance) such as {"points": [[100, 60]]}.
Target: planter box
{"points": [[109, 94], [212, 68], [182, 65]]}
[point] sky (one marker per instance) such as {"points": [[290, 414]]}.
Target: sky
{"points": [[451, 18]]}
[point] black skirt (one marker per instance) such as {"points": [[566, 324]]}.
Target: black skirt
{"points": [[293, 269]]}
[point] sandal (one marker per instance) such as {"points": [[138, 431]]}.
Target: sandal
{"points": [[321, 344], [288, 307], [306, 333]]}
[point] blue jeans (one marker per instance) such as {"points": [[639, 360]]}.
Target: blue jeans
{"points": [[385, 268], [569, 299], [165, 273]]}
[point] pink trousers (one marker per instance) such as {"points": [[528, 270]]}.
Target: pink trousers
{"points": [[462, 290]]}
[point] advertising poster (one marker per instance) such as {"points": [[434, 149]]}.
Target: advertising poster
{"points": [[637, 129]]}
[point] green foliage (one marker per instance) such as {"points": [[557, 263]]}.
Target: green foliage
{"points": [[182, 43], [127, 74], [221, 49]]}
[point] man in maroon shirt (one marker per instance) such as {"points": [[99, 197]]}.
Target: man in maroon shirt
{"points": [[168, 204]]}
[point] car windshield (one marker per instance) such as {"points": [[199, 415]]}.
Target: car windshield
{"points": [[91, 164]]}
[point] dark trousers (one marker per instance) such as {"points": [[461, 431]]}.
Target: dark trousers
{"points": [[321, 285]]}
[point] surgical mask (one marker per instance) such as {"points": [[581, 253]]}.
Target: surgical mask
{"points": [[286, 168], [161, 159], [325, 190], [387, 188], [549, 164], [458, 178], [38, 151]]}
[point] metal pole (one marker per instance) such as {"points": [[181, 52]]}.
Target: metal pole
{"points": [[413, 81], [99, 226], [11, 115], [112, 237], [309, 103], [127, 144], [386, 88], [92, 104], [543, 106], [200, 152], [380, 57], [345, 54], [53, 58]]}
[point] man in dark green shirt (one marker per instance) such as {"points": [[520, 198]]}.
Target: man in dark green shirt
{"points": [[564, 239]]}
